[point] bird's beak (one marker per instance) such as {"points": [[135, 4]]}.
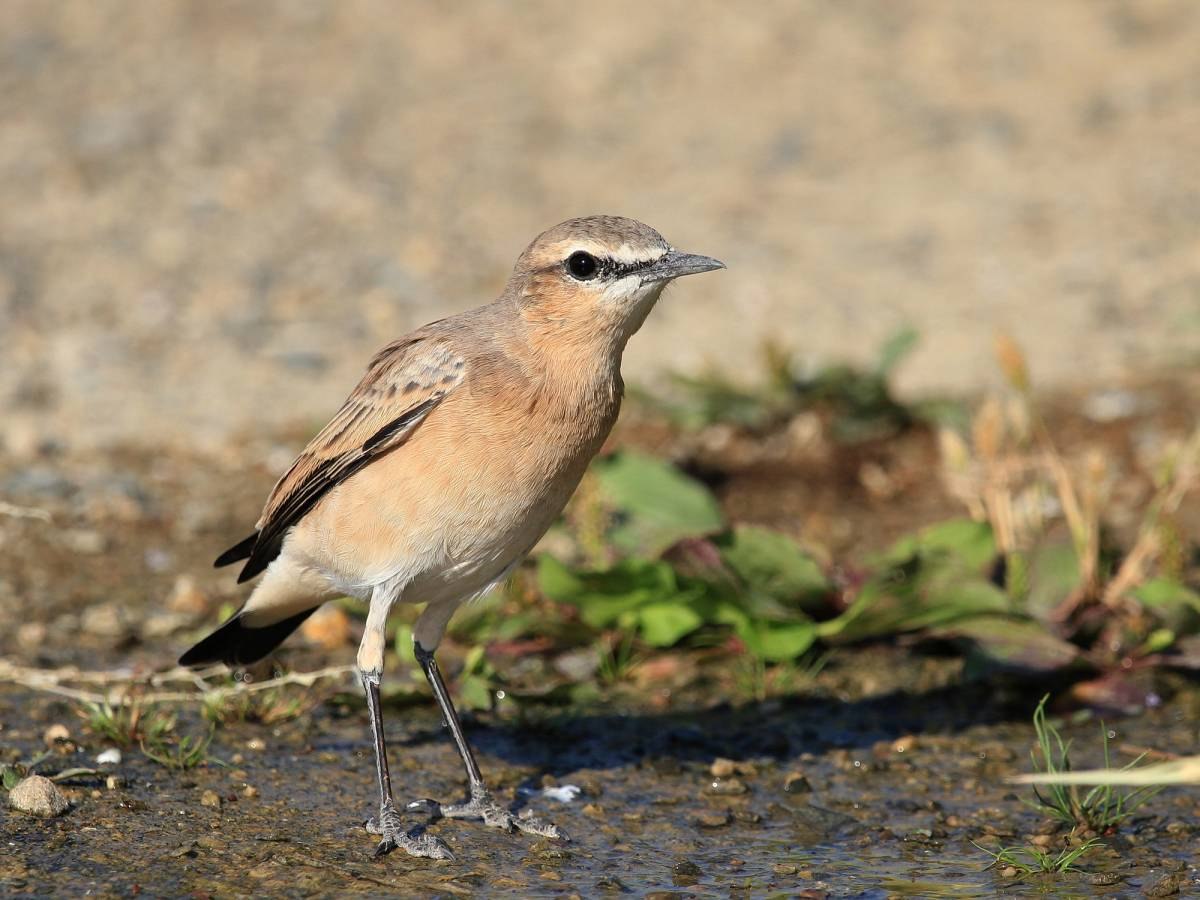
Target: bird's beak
{"points": [[673, 264]]}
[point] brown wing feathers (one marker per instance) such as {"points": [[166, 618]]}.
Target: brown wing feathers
{"points": [[402, 386]]}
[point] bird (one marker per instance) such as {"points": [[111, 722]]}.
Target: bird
{"points": [[453, 455]]}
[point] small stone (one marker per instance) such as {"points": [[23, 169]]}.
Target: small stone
{"points": [[109, 757], [594, 811], [114, 782], [210, 798], [727, 786], [1009, 872], [257, 744], [84, 541], [56, 734], [187, 599], [722, 768], [329, 627], [163, 624], [103, 620], [1167, 886], [249, 792], [797, 783], [31, 635], [38, 796], [713, 820], [784, 869], [906, 744]]}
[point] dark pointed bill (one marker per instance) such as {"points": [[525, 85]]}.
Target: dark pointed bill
{"points": [[673, 264]]}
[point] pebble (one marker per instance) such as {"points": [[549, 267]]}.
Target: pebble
{"points": [[727, 786], [1167, 886], [784, 869], [187, 599], [210, 798], [31, 635], [329, 627], [564, 793], [797, 783], [38, 796], [114, 782], [713, 820], [249, 792], [84, 541], [161, 624], [109, 757], [102, 620], [722, 768]]}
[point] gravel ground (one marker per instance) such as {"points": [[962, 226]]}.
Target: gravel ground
{"points": [[212, 212]]}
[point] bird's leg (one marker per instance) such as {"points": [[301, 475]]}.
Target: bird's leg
{"points": [[388, 825], [481, 805]]}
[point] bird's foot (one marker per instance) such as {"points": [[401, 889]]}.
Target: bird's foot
{"points": [[413, 841], [483, 805]]}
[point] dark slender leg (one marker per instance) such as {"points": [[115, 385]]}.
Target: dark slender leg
{"points": [[482, 804], [371, 686], [389, 825]]}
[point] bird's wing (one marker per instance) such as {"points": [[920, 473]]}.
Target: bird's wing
{"points": [[403, 384]]}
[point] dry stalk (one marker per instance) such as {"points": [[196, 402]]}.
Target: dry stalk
{"points": [[124, 683]]}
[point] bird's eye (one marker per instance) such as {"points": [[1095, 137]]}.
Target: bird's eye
{"points": [[582, 265]]}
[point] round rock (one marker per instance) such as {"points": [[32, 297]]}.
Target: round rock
{"points": [[38, 796]]}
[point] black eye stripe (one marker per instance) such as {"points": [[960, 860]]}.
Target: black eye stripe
{"points": [[606, 266]]}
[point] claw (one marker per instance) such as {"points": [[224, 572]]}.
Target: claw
{"points": [[483, 805], [414, 842]]}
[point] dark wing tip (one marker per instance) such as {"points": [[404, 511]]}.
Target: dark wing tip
{"points": [[241, 550], [237, 645]]}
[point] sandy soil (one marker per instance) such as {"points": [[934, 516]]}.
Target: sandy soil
{"points": [[212, 212]]}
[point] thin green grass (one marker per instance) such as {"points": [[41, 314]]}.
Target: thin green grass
{"points": [[1101, 809], [1035, 861]]}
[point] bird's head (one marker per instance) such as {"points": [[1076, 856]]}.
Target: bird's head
{"points": [[599, 276]]}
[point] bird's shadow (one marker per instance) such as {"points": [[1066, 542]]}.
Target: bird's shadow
{"points": [[560, 742]]}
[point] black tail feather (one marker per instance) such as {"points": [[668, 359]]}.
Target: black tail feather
{"points": [[235, 644], [240, 550]]}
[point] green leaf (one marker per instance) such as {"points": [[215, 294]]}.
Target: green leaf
{"points": [[610, 596], [895, 349], [656, 504], [664, 624], [1010, 644], [774, 564], [892, 603], [776, 643], [1175, 605], [1163, 593], [966, 542], [1053, 575]]}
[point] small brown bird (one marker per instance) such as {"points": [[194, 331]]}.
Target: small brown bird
{"points": [[457, 450]]}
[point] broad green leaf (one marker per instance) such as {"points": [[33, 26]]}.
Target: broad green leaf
{"points": [[776, 643], [774, 564], [967, 542], [1053, 575], [664, 624], [1164, 593], [656, 504], [885, 606], [1011, 644], [1175, 605]]}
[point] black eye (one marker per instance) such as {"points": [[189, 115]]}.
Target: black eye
{"points": [[582, 265]]}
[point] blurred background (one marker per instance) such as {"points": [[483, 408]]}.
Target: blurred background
{"points": [[213, 212], [927, 452]]}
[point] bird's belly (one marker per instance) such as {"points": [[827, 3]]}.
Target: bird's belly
{"points": [[440, 535]]}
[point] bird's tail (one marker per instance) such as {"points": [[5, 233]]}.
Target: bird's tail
{"points": [[237, 644]]}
